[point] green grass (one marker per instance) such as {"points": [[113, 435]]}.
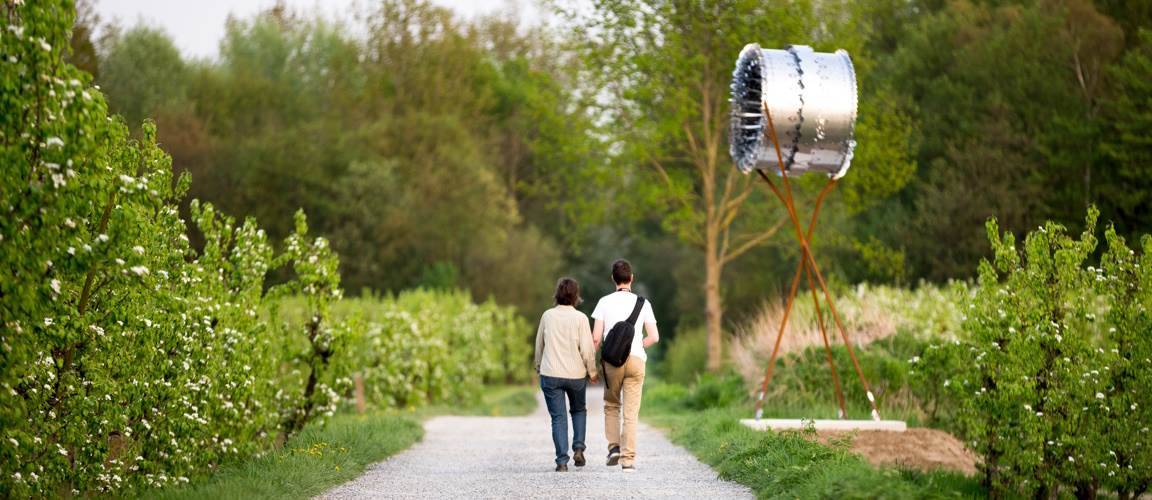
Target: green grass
{"points": [[323, 456], [317, 459], [787, 464]]}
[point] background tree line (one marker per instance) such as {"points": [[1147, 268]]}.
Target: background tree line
{"points": [[436, 151]]}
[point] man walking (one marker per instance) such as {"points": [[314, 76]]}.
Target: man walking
{"points": [[624, 384]]}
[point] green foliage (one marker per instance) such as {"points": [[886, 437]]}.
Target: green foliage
{"points": [[1126, 143], [715, 391], [682, 358], [428, 346], [111, 323], [881, 261], [1006, 99], [440, 275], [316, 280], [1125, 279], [1045, 378], [142, 72]]}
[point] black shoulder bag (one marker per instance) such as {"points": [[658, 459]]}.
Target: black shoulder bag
{"points": [[618, 341]]}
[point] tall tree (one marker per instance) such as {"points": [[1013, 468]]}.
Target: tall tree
{"points": [[662, 70], [83, 45], [428, 151], [1126, 186], [1007, 120], [141, 72]]}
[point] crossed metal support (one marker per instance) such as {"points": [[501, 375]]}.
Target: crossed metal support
{"points": [[809, 269]]}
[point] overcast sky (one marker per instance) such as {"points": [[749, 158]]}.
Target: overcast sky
{"points": [[197, 26]]}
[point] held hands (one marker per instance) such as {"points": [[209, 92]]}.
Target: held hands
{"points": [[594, 380]]}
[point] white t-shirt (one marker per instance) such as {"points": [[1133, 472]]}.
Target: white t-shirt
{"points": [[616, 307]]}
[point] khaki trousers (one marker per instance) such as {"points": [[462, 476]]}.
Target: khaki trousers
{"points": [[624, 384]]}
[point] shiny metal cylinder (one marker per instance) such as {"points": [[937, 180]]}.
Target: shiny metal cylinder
{"points": [[812, 100]]}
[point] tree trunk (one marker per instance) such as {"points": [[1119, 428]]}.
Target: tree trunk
{"points": [[713, 308]]}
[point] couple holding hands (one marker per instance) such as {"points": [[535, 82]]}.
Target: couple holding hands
{"points": [[566, 361]]}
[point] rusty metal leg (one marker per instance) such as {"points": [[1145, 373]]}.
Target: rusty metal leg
{"points": [[827, 347], [800, 267], [807, 258]]}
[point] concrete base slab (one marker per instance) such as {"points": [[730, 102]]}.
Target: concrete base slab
{"points": [[827, 425]]}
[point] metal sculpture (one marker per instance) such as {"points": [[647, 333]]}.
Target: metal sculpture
{"points": [[813, 106], [811, 98]]}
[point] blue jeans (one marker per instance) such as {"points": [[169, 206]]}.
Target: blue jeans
{"points": [[554, 391]]}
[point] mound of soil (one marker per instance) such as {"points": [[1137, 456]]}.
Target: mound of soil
{"points": [[916, 448]]}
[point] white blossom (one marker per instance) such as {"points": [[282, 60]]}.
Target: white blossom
{"points": [[140, 270]]}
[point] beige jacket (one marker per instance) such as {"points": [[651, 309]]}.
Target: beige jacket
{"points": [[564, 344]]}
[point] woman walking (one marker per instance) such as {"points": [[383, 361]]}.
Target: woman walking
{"points": [[566, 359]]}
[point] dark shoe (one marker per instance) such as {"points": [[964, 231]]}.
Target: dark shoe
{"points": [[561, 467], [629, 468], [614, 456], [578, 458]]}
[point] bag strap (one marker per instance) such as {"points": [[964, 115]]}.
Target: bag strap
{"points": [[636, 311]]}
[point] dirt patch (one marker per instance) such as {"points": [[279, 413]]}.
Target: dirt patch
{"points": [[923, 449]]}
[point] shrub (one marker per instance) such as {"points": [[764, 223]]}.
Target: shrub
{"points": [[128, 358], [684, 358], [709, 391], [1049, 377], [715, 391], [429, 346]]}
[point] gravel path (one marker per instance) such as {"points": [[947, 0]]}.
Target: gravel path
{"points": [[511, 457]]}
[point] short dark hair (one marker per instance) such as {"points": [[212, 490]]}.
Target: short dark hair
{"points": [[567, 292], [621, 272]]}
